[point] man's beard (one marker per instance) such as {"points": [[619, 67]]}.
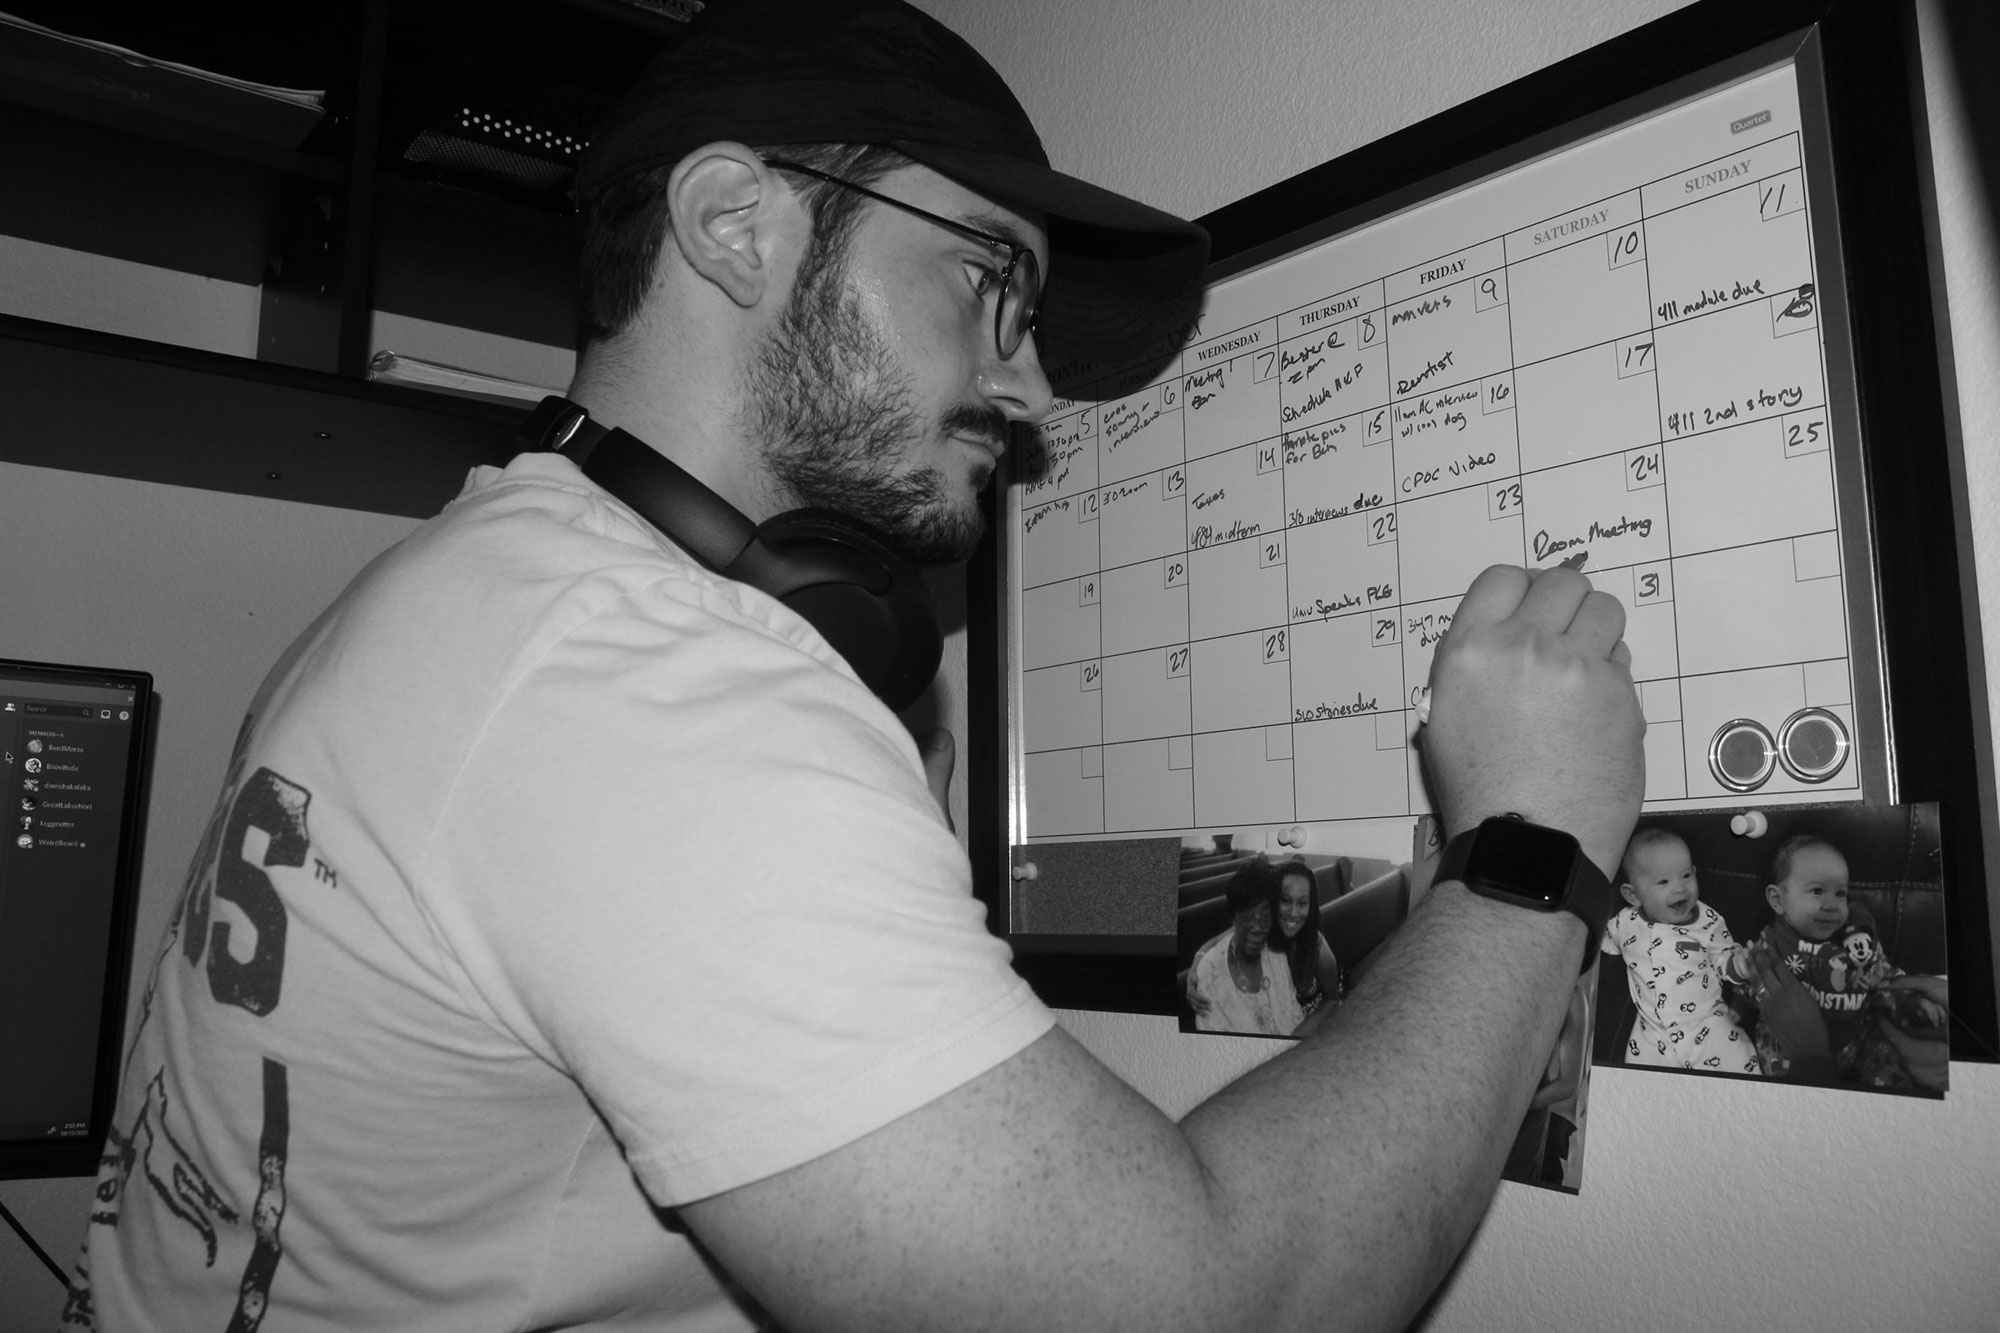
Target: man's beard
{"points": [[826, 404]]}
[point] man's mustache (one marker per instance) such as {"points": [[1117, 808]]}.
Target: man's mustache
{"points": [[980, 423]]}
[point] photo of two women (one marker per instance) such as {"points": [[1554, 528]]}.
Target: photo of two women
{"points": [[1268, 945]]}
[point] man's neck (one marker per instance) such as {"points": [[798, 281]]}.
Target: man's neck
{"points": [[688, 423]]}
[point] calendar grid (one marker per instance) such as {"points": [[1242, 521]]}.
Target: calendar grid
{"points": [[1634, 383]]}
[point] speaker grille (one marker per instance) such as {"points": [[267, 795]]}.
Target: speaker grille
{"points": [[496, 124]]}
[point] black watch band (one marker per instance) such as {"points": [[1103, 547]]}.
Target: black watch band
{"points": [[1543, 869]]}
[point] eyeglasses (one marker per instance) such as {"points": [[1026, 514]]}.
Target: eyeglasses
{"points": [[1020, 281]]}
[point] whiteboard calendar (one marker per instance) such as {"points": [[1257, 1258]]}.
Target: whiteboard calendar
{"points": [[1227, 582]]}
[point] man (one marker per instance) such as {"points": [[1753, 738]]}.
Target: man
{"points": [[577, 943]]}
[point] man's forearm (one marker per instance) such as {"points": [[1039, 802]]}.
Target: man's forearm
{"points": [[1357, 1164], [1332, 1185]]}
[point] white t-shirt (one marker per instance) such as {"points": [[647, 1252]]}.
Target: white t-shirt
{"points": [[547, 860]]}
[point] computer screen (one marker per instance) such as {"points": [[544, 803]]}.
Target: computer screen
{"points": [[74, 743]]}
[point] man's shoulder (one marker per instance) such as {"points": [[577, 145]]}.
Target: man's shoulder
{"points": [[531, 592], [540, 537], [535, 551], [540, 510]]}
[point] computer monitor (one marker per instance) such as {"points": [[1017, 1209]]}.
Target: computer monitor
{"points": [[74, 743]]}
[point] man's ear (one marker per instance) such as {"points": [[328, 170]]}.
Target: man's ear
{"points": [[731, 215]]}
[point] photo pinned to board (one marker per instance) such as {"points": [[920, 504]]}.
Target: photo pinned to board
{"points": [[1800, 944], [1271, 945], [1268, 944]]}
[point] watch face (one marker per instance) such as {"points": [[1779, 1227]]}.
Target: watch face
{"points": [[1526, 860]]}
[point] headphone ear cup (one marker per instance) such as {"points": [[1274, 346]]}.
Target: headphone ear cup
{"points": [[869, 603], [837, 572]]}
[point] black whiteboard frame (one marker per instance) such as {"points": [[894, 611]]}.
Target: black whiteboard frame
{"points": [[1857, 58]]}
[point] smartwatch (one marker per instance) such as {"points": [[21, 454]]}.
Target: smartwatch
{"points": [[1542, 869]]}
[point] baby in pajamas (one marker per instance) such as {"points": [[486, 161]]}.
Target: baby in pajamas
{"points": [[1677, 952]]}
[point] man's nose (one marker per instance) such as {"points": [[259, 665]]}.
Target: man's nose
{"points": [[1017, 385]]}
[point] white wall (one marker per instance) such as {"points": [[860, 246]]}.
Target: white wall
{"points": [[1704, 1204], [63, 286]]}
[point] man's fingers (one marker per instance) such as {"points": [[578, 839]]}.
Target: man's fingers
{"points": [[1556, 601], [1552, 601], [1598, 623], [1495, 595]]}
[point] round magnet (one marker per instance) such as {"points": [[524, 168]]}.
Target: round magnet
{"points": [[1742, 755], [1813, 744]]}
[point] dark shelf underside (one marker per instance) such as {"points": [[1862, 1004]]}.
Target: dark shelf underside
{"points": [[121, 407]]}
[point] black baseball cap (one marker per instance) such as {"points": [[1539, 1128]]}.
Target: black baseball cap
{"points": [[1125, 278]]}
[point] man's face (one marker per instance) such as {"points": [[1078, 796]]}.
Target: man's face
{"points": [[1812, 897], [1662, 884], [881, 392]]}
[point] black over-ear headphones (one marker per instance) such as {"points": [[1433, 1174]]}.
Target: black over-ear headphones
{"points": [[835, 571]]}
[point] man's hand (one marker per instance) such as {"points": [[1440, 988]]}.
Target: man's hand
{"points": [[1533, 711]]}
